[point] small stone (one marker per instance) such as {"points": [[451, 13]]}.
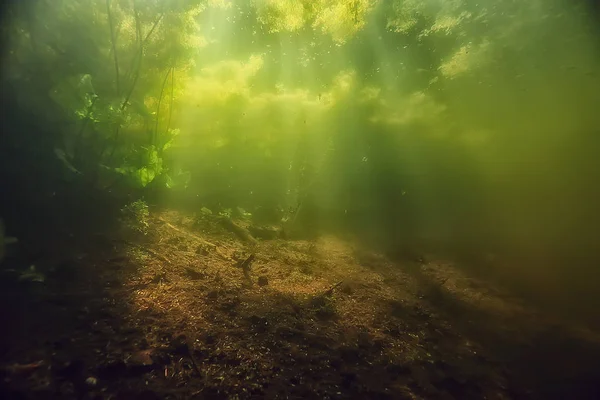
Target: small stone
{"points": [[193, 274], [112, 369], [70, 369], [264, 232], [179, 345], [349, 354], [263, 281], [201, 250], [91, 381], [159, 278], [141, 362], [141, 358], [259, 323], [288, 333], [209, 338], [346, 288]]}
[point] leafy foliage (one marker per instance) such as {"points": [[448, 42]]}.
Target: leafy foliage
{"points": [[112, 118], [392, 109]]}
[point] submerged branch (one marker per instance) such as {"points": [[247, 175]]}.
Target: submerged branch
{"points": [[137, 73], [197, 238], [247, 263], [329, 291], [171, 104], [113, 41], [162, 89], [152, 29], [79, 141], [239, 231], [141, 42]]}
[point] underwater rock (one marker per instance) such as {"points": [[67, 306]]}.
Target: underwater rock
{"points": [[288, 333], [193, 274], [160, 278], [179, 345], [212, 392], [397, 369], [175, 240], [346, 288], [259, 323], [70, 369], [348, 379], [230, 304], [143, 395], [66, 270], [209, 338], [91, 381], [142, 361], [263, 281], [143, 357], [265, 232], [256, 320], [202, 250], [349, 354], [241, 232], [112, 369], [364, 340]]}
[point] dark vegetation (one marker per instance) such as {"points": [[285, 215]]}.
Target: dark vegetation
{"points": [[172, 242]]}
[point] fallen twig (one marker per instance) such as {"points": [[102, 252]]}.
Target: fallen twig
{"points": [[197, 238], [239, 231], [247, 263], [22, 369], [329, 291], [155, 254]]}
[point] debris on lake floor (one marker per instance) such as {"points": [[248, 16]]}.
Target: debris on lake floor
{"points": [[319, 323], [239, 231], [263, 280]]}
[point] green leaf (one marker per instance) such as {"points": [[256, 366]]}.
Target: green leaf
{"points": [[145, 176]]}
